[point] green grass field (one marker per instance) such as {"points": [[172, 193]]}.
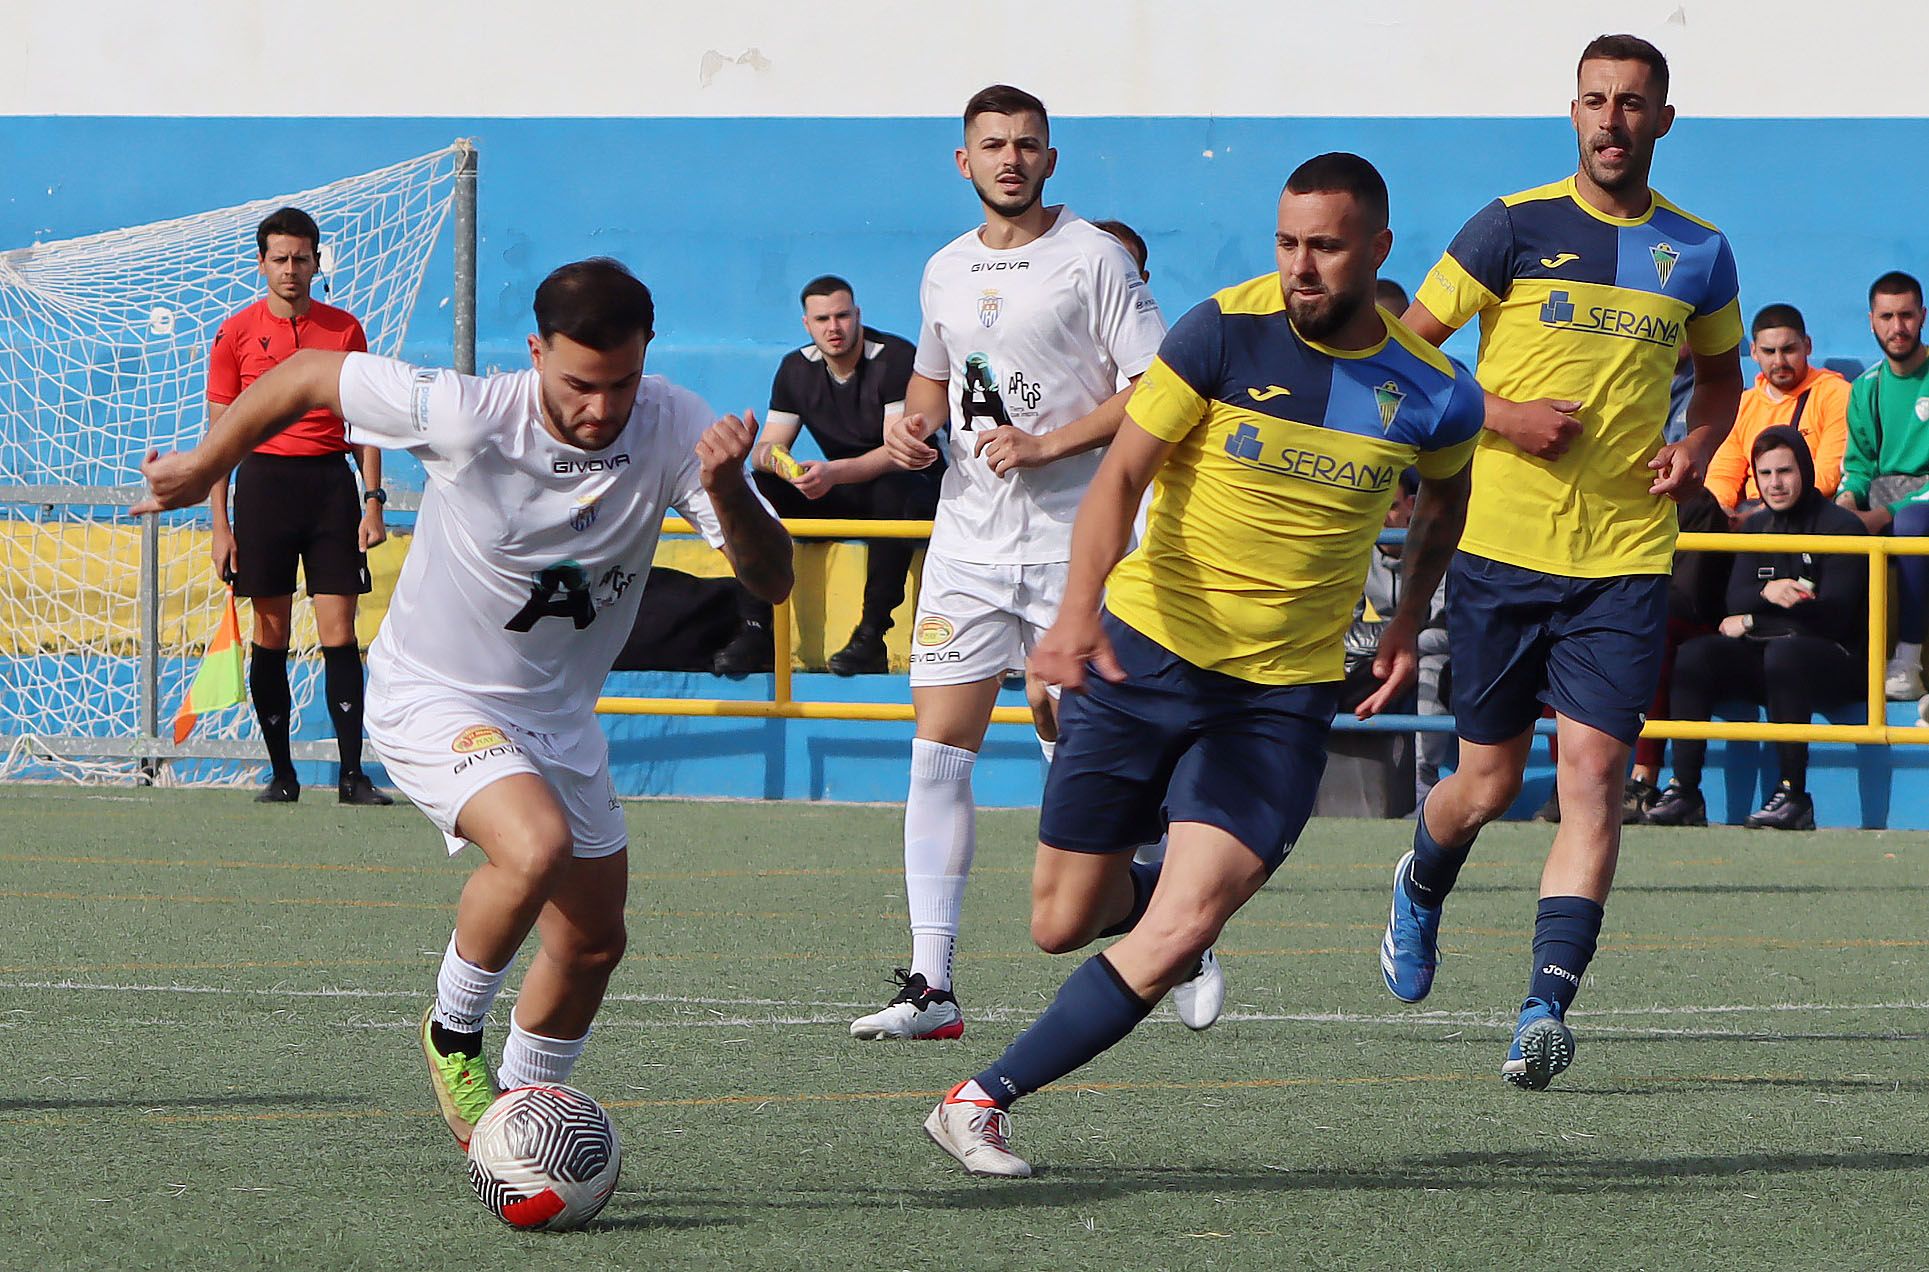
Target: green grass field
{"points": [[206, 1011]]}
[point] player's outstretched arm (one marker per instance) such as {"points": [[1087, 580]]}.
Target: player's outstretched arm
{"points": [[1099, 538], [308, 381], [1008, 448], [756, 544], [926, 410], [1680, 467], [1439, 515]]}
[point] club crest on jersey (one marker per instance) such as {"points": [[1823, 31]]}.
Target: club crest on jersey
{"points": [[583, 515], [933, 631], [1388, 398], [990, 303], [478, 737], [1664, 259]]}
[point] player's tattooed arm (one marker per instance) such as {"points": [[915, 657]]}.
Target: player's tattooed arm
{"points": [[755, 542], [1439, 515]]}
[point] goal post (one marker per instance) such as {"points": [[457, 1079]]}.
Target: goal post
{"points": [[103, 356]]}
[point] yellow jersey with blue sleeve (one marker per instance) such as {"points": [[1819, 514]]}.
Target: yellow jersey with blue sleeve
{"points": [[1577, 305], [1287, 455]]}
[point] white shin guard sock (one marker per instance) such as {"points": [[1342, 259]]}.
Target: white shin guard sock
{"points": [[940, 836], [529, 1058], [464, 992]]}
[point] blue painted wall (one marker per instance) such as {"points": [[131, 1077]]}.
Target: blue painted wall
{"points": [[727, 217]]}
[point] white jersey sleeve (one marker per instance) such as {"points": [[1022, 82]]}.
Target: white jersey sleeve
{"points": [[689, 415], [444, 417], [1126, 321], [933, 360]]}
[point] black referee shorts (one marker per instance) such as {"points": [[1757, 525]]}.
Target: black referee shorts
{"points": [[297, 508]]}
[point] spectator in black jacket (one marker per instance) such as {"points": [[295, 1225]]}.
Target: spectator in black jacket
{"points": [[1795, 639]]}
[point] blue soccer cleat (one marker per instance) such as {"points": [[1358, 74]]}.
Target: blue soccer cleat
{"points": [[1543, 1046], [1411, 948]]}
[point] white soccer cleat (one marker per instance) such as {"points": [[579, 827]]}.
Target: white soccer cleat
{"points": [[1201, 997], [977, 1135], [918, 1014], [1903, 682]]}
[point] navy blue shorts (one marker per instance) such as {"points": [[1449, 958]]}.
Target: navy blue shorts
{"points": [[1589, 648], [1176, 742]]}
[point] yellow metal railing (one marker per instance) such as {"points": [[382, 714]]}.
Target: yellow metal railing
{"points": [[783, 705]]}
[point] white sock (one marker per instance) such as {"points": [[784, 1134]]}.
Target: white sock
{"points": [[465, 992], [1047, 748], [529, 1058], [940, 836], [1908, 655], [1150, 854]]}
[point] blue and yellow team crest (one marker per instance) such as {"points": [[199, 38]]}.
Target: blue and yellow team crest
{"points": [[1388, 398], [989, 304], [1664, 259]]}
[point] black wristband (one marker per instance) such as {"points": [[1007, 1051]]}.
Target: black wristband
{"points": [[376, 493]]}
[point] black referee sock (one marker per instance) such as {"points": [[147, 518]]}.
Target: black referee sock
{"points": [[342, 678], [268, 689]]}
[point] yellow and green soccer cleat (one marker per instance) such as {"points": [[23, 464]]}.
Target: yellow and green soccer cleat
{"points": [[463, 1087]]}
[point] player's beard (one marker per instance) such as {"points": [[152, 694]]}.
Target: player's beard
{"points": [[1633, 175], [1322, 320], [1004, 205], [573, 434], [1902, 346]]}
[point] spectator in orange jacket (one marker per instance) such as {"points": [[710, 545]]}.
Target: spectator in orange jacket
{"points": [[1788, 391]]}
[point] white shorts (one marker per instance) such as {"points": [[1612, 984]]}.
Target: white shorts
{"points": [[440, 747], [976, 621]]}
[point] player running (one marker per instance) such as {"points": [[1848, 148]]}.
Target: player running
{"points": [[1584, 290], [1031, 321], [1277, 421], [546, 491]]}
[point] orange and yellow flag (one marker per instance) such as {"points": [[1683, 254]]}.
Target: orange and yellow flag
{"points": [[218, 682]]}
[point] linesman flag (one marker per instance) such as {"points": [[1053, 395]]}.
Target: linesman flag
{"points": [[218, 681]]}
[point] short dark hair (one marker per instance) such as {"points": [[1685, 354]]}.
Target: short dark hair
{"points": [[1778, 316], [1390, 295], [1626, 48], [825, 285], [1339, 172], [597, 303], [1128, 236], [1003, 99], [1895, 283], [292, 222]]}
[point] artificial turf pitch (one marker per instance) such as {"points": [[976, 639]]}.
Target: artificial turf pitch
{"points": [[206, 1015]]}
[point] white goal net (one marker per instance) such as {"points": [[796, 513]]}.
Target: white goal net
{"points": [[103, 356]]}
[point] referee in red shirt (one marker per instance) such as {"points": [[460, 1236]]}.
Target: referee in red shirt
{"points": [[295, 500]]}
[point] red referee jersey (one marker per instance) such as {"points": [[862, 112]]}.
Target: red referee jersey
{"points": [[254, 340]]}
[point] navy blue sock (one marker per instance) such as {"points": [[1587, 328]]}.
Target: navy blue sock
{"points": [[1435, 867], [1145, 877], [1094, 1009], [1566, 931]]}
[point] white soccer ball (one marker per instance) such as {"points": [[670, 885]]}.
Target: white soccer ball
{"points": [[544, 1158]]}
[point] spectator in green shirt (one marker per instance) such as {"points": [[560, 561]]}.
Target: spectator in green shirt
{"points": [[1885, 472]]}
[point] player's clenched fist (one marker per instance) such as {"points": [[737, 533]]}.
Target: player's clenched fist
{"points": [[723, 448], [174, 480], [904, 441]]}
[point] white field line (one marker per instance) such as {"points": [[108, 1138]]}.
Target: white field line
{"points": [[814, 1012]]}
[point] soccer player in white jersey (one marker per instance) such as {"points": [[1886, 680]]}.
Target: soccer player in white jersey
{"points": [[1031, 322], [546, 491]]}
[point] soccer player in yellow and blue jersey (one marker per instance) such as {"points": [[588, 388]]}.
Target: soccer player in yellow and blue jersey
{"points": [[1584, 290], [1277, 420]]}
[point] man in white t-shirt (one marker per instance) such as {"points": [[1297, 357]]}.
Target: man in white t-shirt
{"points": [[1031, 322], [546, 490]]}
